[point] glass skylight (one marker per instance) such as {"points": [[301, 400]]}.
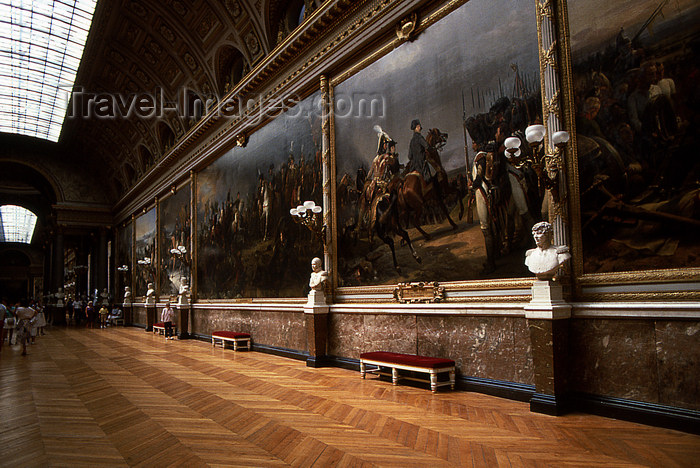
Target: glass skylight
{"points": [[16, 224], [41, 44]]}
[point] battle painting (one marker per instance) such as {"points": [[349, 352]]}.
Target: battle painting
{"points": [[123, 257], [249, 245], [425, 191], [175, 255], [145, 251], [636, 71]]}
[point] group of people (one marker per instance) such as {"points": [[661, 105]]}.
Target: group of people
{"points": [[78, 309], [21, 323]]}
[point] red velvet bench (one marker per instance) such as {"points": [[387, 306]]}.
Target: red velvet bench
{"points": [[159, 328], [235, 337], [409, 362]]}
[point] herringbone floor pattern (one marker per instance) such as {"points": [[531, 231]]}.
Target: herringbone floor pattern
{"points": [[123, 397]]}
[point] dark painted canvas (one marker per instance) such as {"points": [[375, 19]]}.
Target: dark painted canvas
{"points": [[175, 255], [123, 254], [145, 251], [636, 71], [471, 80], [248, 244]]}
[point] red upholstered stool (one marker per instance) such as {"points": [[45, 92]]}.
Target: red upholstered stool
{"points": [[236, 338], [410, 362], [159, 328]]}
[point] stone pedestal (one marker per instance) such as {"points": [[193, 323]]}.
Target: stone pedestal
{"points": [[316, 317], [183, 324], [547, 317], [128, 313], [150, 316]]}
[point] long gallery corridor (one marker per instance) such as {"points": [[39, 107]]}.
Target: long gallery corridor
{"points": [[124, 397]]}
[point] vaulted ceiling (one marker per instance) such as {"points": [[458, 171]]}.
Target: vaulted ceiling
{"points": [[174, 51]]}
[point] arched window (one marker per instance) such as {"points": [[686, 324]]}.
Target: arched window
{"points": [[17, 224]]}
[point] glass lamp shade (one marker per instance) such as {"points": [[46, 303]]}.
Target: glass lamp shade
{"points": [[174, 251], [293, 212], [512, 142], [514, 154], [317, 209], [301, 209], [534, 133], [309, 204], [560, 138]]}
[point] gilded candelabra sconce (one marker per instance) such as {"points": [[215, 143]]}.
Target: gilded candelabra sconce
{"points": [[180, 253], [309, 214], [546, 166], [147, 265]]}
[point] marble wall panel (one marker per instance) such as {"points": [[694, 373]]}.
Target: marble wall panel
{"points": [[273, 328], [678, 354], [205, 321], [481, 346], [138, 316], [615, 358], [281, 329], [395, 333], [522, 353], [345, 335]]}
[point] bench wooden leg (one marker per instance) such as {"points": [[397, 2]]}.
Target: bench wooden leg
{"points": [[363, 370], [213, 343], [235, 345], [452, 380], [433, 381], [394, 376]]}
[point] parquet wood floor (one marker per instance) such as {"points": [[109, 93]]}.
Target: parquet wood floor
{"points": [[123, 397]]}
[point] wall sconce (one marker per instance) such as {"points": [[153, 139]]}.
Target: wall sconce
{"points": [[241, 140], [124, 269], [145, 263], [309, 214], [180, 253], [173, 189], [546, 166]]}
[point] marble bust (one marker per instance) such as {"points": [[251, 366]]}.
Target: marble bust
{"points": [[59, 297], [104, 295], [545, 260], [150, 294], [183, 297], [127, 295], [317, 297], [318, 275]]}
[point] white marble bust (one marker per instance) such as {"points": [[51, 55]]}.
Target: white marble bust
{"points": [[183, 297], [150, 294], [545, 260], [59, 297], [104, 295], [127, 295], [318, 275]]}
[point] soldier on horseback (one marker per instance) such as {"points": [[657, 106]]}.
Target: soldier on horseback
{"points": [[416, 153]]}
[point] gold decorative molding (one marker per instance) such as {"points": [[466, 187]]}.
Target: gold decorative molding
{"points": [[419, 292], [407, 27]]}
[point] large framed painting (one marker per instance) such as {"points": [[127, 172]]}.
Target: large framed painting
{"points": [[248, 244], [636, 99], [145, 251], [124, 247], [449, 97], [174, 238]]}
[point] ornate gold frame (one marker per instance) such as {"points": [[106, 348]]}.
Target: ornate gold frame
{"points": [[405, 29], [582, 280]]}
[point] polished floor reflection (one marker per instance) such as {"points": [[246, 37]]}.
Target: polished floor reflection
{"points": [[124, 397]]}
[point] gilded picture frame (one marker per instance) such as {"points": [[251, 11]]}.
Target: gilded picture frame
{"points": [[399, 57], [632, 200]]}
